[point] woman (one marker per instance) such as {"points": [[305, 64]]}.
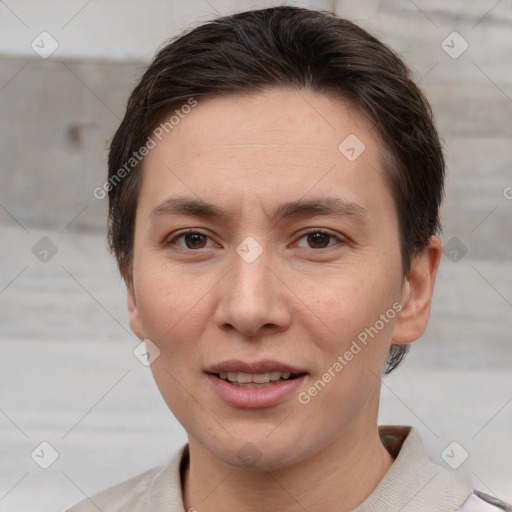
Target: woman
{"points": [[274, 193]]}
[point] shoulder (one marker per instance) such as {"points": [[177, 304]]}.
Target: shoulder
{"points": [[131, 493], [415, 482], [158, 490], [481, 502]]}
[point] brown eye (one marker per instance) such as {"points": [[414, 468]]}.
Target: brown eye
{"points": [[193, 240], [318, 239]]}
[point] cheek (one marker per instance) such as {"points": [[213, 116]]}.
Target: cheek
{"points": [[352, 359], [172, 313], [166, 300], [354, 304], [169, 318]]}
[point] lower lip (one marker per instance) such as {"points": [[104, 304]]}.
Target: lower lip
{"points": [[253, 398]]}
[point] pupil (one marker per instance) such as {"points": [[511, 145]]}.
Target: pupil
{"points": [[317, 238], [195, 238]]}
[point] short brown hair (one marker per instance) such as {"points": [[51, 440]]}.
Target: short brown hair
{"points": [[301, 49]]}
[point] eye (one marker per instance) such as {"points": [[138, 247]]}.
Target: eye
{"points": [[319, 239], [193, 240], [316, 238]]}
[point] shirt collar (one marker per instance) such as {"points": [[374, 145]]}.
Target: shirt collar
{"points": [[412, 484]]}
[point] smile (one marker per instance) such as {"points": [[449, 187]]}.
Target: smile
{"points": [[255, 380]]}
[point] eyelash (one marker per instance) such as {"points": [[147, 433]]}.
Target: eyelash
{"points": [[196, 232]]}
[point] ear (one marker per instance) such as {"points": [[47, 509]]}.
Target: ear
{"points": [[133, 311], [417, 294]]}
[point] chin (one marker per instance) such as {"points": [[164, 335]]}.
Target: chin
{"points": [[257, 453]]}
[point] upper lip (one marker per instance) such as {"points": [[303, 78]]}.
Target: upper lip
{"points": [[235, 365]]}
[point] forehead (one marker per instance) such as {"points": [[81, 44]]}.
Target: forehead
{"points": [[268, 145], [274, 117]]}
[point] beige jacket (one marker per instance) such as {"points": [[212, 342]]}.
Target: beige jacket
{"points": [[412, 484]]}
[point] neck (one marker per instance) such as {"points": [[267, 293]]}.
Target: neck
{"points": [[339, 477]]}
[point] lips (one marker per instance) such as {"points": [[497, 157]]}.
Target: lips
{"points": [[256, 384]]}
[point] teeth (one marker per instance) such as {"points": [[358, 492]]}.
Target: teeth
{"points": [[257, 378], [244, 378], [260, 378]]}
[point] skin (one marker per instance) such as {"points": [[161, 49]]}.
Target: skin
{"points": [[302, 301]]}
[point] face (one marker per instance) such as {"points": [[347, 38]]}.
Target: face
{"points": [[293, 258]]}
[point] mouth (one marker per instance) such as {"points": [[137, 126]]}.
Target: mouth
{"points": [[252, 385], [256, 374], [256, 380]]}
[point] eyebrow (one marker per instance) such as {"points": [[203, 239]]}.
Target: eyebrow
{"points": [[333, 206]]}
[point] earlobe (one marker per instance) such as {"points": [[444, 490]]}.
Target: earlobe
{"points": [[133, 310], [417, 294]]}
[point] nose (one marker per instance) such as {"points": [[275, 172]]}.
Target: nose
{"points": [[253, 297]]}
